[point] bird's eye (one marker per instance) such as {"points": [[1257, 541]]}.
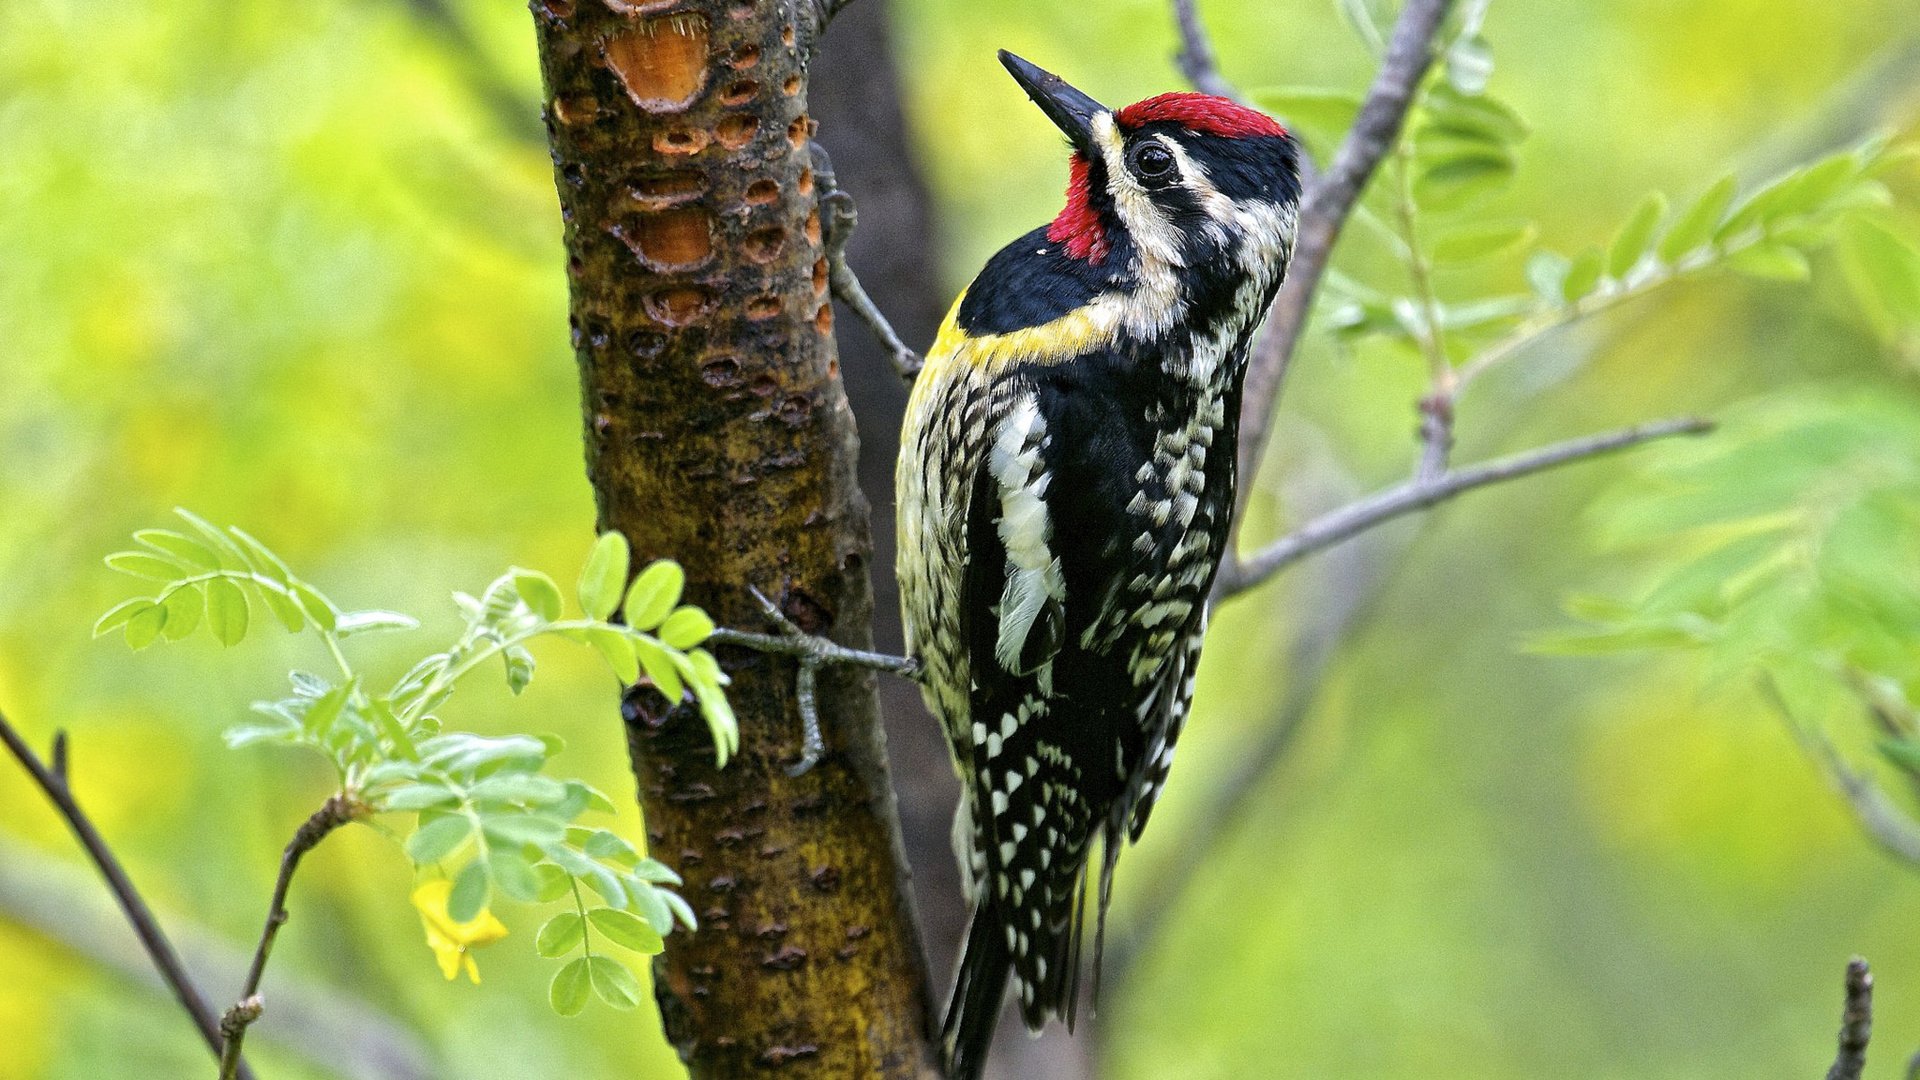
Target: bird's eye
{"points": [[1152, 161]]}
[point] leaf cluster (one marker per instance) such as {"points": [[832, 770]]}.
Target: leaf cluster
{"points": [[485, 813]]}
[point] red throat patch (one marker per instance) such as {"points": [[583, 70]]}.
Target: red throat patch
{"points": [[1202, 113], [1078, 226]]}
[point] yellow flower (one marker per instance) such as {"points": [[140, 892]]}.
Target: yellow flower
{"points": [[449, 940]]}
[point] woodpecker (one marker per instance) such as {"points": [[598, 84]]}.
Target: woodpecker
{"points": [[1065, 486]]}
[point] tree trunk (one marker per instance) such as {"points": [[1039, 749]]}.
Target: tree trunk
{"points": [[856, 96], [718, 434]]}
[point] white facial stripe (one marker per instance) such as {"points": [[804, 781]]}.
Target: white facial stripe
{"points": [[1159, 259]]}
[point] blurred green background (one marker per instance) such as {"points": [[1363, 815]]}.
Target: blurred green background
{"points": [[297, 267]]}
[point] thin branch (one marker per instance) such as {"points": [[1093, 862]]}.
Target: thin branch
{"points": [[1856, 1023], [1324, 211], [335, 812], [53, 782], [1195, 57], [837, 220], [1884, 822], [1418, 494]]}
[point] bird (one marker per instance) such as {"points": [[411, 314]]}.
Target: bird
{"points": [[1064, 491]]}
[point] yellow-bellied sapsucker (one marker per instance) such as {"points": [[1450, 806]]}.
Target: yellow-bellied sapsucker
{"points": [[1065, 486]]}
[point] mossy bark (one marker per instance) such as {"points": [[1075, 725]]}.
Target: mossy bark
{"points": [[718, 434]]}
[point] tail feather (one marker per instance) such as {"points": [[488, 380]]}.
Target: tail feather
{"points": [[978, 992]]}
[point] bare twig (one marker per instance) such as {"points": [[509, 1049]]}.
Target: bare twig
{"points": [[1856, 1023], [1418, 494], [838, 219], [335, 812], [233, 1029], [1884, 822], [813, 652], [1324, 211], [1195, 57], [53, 782]]}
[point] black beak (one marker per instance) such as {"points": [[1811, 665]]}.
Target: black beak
{"points": [[1069, 109]]}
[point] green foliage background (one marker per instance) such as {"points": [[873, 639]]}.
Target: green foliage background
{"points": [[280, 263]]}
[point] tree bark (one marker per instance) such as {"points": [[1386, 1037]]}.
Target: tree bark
{"points": [[718, 434], [856, 95]]}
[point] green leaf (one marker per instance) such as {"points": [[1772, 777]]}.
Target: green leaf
{"points": [[1636, 236], [1469, 64], [1772, 262], [612, 982], [655, 593], [626, 930], [561, 935], [593, 796], [541, 595], [226, 611], [603, 880], [518, 788], [707, 680], [143, 564], [217, 541], [568, 991], [144, 626], [651, 904], [1583, 275], [317, 607], [514, 829], [1885, 268], [259, 556], [118, 614], [519, 664], [1696, 226], [618, 650], [682, 910], [241, 735], [183, 612], [554, 882], [418, 797], [472, 888], [603, 844], [325, 709], [180, 548], [660, 670], [1470, 242], [1547, 274], [1460, 177], [285, 607], [514, 876], [604, 575], [389, 725], [686, 628], [367, 622], [1472, 116], [437, 839]]}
